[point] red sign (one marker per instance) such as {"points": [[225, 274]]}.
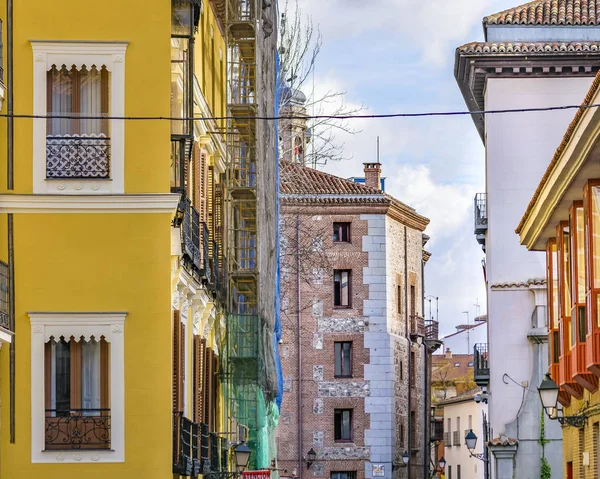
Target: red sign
{"points": [[263, 474]]}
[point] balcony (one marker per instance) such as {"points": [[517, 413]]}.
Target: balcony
{"points": [[437, 429], [186, 450], [194, 240], [417, 327], [4, 299], [456, 438], [481, 218], [447, 440], [77, 157], [77, 429], [431, 329], [480, 363]]}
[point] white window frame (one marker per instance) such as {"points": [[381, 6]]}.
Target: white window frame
{"points": [[43, 327], [110, 54]]}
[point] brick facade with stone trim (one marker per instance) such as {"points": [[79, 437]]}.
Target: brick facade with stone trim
{"points": [[377, 391]]}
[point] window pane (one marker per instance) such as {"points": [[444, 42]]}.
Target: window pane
{"points": [[554, 257], [179, 86], [336, 232], [61, 370], [596, 235], [345, 288], [337, 293], [347, 355], [90, 377], [338, 359], [346, 426], [566, 306], [580, 256]]}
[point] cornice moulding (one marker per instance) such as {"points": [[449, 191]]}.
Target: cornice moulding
{"points": [[142, 203]]}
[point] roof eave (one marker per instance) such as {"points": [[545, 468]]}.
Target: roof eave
{"points": [[536, 225]]}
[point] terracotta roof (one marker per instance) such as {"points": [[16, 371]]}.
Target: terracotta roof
{"points": [[503, 441], [522, 48], [548, 12], [297, 179], [460, 397], [521, 284], [445, 369], [561, 148]]}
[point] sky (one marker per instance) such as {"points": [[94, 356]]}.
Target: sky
{"points": [[393, 56]]}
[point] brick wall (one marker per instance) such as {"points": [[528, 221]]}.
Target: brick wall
{"points": [[377, 391]]}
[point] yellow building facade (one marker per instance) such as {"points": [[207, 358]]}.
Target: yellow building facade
{"points": [[111, 245], [563, 219]]}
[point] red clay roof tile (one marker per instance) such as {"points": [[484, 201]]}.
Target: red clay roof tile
{"points": [[548, 12]]}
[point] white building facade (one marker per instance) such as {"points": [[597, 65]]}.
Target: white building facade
{"points": [[521, 66], [461, 415]]}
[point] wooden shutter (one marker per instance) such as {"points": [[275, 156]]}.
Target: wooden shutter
{"points": [[104, 375], [208, 374], [199, 374], [178, 361]]}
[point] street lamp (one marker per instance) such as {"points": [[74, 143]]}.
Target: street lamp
{"points": [[548, 391], [471, 440], [442, 463], [405, 458], [242, 455], [311, 456]]}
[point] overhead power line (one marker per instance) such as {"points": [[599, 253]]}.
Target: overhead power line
{"points": [[301, 117]]}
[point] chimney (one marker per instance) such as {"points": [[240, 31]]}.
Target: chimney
{"points": [[448, 354], [373, 175]]}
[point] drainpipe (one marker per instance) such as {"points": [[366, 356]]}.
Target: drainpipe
{"points": [[10, 186], [410, 379], [299, 346]]}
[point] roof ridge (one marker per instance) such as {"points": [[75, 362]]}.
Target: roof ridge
{"points": [[547, 12]]}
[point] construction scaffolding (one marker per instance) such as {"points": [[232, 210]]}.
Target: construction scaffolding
{"points": [[245, 401]]}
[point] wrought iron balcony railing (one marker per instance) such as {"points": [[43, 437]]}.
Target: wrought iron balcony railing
{"points": [[77, 429], [481, 218], [417, 326], [456, 438], [431, 329], [447, 439], [186, 451], [190, 235], [4, 298], [437, 429], [77, 157], [481, 373]]}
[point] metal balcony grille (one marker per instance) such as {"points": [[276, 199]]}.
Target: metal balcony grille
{"points": [[431, 329], [77, 157], [77, 429], [481, 370], [4, 301], [447, 439], [215, 463], [481, 218], [456, 438]]}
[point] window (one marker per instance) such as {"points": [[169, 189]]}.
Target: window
{"points": [[78, 80], [343, 359], [458, 472], [401, 439], [77, 147], [76, 393], [77, 386], [343, 475], [413, 369], [342, 425], [401, 371], [413, 429], [449, 472], [341, 232], [399, 299], [341, 288]]}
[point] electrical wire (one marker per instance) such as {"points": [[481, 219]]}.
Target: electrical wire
{"points": [[303, 117]]}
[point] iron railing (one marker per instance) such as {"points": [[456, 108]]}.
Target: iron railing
{"points": [[205, 244], [456, 438], [417, 325], [437, 429], [77, 157], [186, 446], [190, 235], [4, 297], [480, 210], [481, 372], [77, 429], [431, 329], [447, 439], [204, 448], [215, 443]]}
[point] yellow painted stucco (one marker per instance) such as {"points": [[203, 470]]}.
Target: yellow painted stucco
{"points": [[146, 26], [97, 262], [211, 61]]}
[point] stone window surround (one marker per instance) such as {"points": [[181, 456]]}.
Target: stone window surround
{"points": [[110, 325], [109, 54]]}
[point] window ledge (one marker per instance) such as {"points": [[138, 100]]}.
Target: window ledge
{"points": [[74, 456]]}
